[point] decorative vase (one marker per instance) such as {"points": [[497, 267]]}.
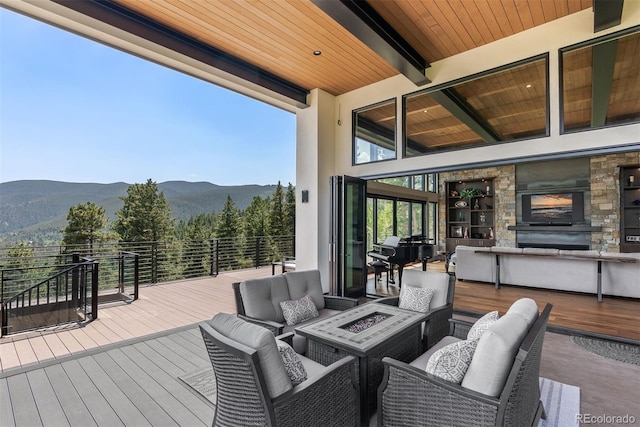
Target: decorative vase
{"points": [[483, 218], [476, 205]]}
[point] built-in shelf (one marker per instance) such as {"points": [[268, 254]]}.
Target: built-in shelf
{"points": [[557, 228]]}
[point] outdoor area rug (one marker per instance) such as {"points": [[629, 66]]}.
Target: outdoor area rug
{"points": [[202, 382], [627, 353], [561, 403]]}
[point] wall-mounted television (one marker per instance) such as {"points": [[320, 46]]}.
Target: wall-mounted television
{"points": [[553, 208]]}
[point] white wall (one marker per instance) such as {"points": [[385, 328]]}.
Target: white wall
{"points": [[314, 165]]}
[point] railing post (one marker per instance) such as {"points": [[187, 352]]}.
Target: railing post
{"points": [[94, 290], [75, 281], [121, 267], [154, 262], [4, 328], [136, 267]]}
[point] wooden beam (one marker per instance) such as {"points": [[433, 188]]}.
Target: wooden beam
{"points": [[606, 14], [461, 109], [604, 61], [367, 25]]}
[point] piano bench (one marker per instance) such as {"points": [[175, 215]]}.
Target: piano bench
{"points": [[378, 268]]}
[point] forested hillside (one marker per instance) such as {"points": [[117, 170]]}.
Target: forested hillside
{"points": [[33, 208]]}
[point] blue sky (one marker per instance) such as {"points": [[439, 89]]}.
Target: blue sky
{"points": [[77, 111]]}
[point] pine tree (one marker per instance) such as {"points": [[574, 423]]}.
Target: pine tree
{"points": [[255, 218], [228, 229], [276, 212], [290, 211], [145, 215], [86, 225]]}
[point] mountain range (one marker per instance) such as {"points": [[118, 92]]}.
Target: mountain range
{"points": [[31, 207]]}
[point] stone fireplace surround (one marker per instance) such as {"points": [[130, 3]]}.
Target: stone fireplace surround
{"points": [[603, 202]]}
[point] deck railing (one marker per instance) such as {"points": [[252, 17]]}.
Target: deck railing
{"points": [[156, 262], [68, 296]]}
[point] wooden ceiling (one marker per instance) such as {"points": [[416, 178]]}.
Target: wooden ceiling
{"points": [[281, 36]]}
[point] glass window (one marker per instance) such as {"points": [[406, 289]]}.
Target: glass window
{"points": [[418, 182], [370, 217], [500, 105], [384, 219], [432, 182], [400, 181], [601, 83], [374, 136], [417, 219], [432, 221], [403, 219]]}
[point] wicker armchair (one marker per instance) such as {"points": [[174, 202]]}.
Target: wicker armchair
{"points": [[409, 395], [257, 300], [329, 397], [441, 309]]}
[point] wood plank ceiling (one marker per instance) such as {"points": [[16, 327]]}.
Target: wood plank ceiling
{"points": [[281, 36]]}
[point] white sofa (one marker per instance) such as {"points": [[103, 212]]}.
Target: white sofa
{"points": [[551, 269]]}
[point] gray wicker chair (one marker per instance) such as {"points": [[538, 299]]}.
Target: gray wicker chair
{"points": [[437, 325], [410, 396], [329, 398]]}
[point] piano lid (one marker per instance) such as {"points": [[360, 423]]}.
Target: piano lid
{"points": [[392, 241]]}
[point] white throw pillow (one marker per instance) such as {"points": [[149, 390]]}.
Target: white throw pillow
{"points": [[299, 310], [481, 325], [415, 299], [292, 363], [452, 361]]}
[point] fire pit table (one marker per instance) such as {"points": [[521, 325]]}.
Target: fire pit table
{"points": [[369, 332]]}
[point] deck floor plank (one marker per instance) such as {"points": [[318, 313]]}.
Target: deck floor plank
{"points": [[49, 408], [41, 348], [178, 412], [175, 353], [76, 412], [8, 356], [25, 352], [56, 346], [6, 410], [126, 410], [25, 410], [166, 373], [136, 394], [92, 398]]}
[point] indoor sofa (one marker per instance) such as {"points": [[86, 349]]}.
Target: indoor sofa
{"points": [[259, 301], [564, 270]]}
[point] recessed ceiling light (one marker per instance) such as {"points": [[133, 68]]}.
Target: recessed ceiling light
{"points": [[529, 86], [317, 53], [424, 111]]}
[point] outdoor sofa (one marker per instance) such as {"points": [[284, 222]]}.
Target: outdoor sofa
{"points": [[259, 301], [547, 268]]}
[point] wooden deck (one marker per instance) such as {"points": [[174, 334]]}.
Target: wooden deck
{"points": [[123, 368]]}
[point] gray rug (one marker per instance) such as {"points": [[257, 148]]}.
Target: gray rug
{"points": [[202, 382], [621, 352], [561, 401]]}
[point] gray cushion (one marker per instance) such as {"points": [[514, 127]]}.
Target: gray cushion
{"points": [[435, 280], [527, 308], [452, 361], [299, 342], [292, 363], [415, 299], [495, 354], [262, 297], [421, 361], [313, 368], [303, 283], [482, 324], [260, 339], [299, 310]]}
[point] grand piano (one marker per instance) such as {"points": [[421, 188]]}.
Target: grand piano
{"points": [[400, 252]]}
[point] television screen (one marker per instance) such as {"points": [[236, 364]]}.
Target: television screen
{"points": [[564, 208]]}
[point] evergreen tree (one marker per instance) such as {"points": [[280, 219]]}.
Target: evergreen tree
{"points": [[290, 211], [255, 218], [145, 216], [276, 212], [229, 224], [86, 224]]}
